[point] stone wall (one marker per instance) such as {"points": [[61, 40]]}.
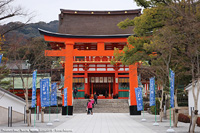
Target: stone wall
{"points": [[183, 110], [16, 117]]}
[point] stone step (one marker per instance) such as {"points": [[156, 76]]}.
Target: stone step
{"points": [[103, 106]]}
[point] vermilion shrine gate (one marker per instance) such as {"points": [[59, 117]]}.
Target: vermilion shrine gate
{"points": [[87, 61]]}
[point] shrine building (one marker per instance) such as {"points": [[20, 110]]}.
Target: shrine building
{"points": [[86, 41]]}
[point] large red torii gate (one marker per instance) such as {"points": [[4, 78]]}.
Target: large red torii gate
{"points": [[69, 52]]}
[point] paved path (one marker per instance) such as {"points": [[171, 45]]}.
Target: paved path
{"points": [[104, 123], [99, 123]]}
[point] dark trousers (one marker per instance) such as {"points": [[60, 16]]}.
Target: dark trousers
{"points": [[75, 96], [89, 110], [95, 101]]}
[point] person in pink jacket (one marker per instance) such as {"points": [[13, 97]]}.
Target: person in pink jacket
{"points": [[89, 106], [92, 103]]}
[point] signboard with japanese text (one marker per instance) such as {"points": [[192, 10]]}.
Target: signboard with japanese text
{"points": [[53, 94], [44, 92], [152, 91], [33, 103], [65, 97], [172, 74], [139, 99]]}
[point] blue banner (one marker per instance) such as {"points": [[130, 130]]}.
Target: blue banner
{"points": [[65, 97], [34, 89], [138, 93], [44, 92], [1, 57], [152, 91], [172, 74], [53, 94]]}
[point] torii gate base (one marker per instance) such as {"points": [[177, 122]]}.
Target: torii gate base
{"points": [[69, 111], [133, 110]]}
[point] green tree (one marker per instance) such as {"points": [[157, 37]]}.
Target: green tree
{"points": [[4, 71], [171, 30]]}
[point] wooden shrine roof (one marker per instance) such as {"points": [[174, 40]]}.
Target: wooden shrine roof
{"points": [[78, 22], [48, 33]]}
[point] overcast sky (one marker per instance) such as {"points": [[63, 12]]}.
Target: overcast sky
{"points": [[48, 10]]}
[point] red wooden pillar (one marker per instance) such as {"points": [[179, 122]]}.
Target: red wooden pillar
{"points": [[92, 90], [38, 100], [68, 79], [109, 91], [88, 90], [133, 81], [114, 93], [86, 82], [69, 72], [116, 82]]}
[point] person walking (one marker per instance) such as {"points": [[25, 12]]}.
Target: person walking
{"points": [[92, 103], [89, 106], [75, 93], [95, 98]]}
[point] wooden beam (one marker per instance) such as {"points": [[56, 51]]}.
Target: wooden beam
{"points": [[93, 52], [54, 52]]}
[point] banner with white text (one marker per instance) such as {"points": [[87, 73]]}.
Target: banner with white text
{"points": [[152, 91], [53, 94], [65, 97], [1, 56], [33, 103], [172, 74], [44, 92], [139, 99]]}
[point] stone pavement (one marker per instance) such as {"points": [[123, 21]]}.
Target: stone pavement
{"points": [[99, 123]]}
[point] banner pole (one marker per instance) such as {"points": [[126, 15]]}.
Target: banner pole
{"points": [[56, 120], [35, 87], [155, 103], [143, 106], [170, 98], [57, 111], [155, 124], [34, 116], [49, 123], [170, 128], [36, 95]]}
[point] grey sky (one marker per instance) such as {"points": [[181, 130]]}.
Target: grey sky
{"points": [[48, 10]]}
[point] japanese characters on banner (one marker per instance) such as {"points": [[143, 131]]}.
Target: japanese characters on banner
{"points": [[34, 89], [172, 74], [44, 92], [53, 94], [1, 57], [152, 91], [65, 97], [138, 93]]}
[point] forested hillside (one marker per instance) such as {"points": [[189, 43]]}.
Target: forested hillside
{"points": [[30, 30]]}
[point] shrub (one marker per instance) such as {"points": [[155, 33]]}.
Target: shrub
{"points": [[157, 107]]}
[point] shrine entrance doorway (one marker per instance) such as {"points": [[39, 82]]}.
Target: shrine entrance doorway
{"points": [[102, 90], [102, 84]]}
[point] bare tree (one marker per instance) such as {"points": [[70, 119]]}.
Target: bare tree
{"points": [[33, 52], [8, 12]]}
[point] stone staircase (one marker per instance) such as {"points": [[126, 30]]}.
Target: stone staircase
{"points": [[103, 106]]}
